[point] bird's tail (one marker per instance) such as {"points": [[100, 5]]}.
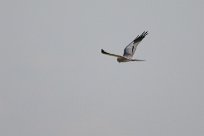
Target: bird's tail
{"points": [[137, 60]]}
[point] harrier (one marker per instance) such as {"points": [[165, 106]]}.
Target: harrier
{"points": [[129, 50]]}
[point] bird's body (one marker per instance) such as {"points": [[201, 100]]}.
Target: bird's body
{"points": [[129, 50]]}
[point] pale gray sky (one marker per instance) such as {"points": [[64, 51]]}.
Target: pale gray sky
{"points": [[55, 82]]}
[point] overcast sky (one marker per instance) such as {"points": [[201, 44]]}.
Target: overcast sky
{"points": [[55, 82]]}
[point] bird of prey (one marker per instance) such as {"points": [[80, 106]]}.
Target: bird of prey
{"points": [[129, 50]]}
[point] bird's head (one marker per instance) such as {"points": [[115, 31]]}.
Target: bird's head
{"points": [[119, 60]]}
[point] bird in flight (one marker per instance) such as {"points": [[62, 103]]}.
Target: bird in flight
{"points": [[129, 50]]}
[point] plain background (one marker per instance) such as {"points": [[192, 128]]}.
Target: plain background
{"points": [[55, 82]]}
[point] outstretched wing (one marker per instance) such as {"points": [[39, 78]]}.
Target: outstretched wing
{"points": [[131, 48], [110, 54]]}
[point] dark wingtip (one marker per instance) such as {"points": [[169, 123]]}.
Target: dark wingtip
{"points": [[140, 37], [144, 33], [102, 51]]}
